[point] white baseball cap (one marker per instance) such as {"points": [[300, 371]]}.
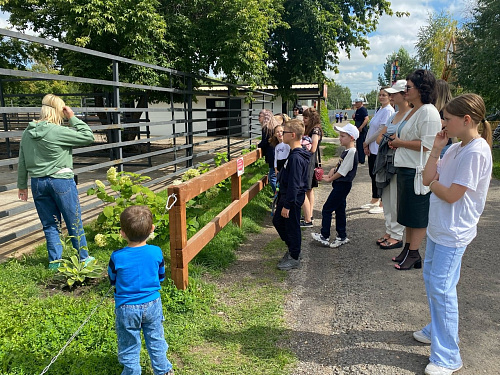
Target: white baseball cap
{"points": [[399, 86], [359, 100], [349, 129]]}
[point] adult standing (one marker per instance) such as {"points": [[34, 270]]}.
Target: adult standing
{"points": [[443, 96], [268, 122], [45, 154], [361, 119], [386, 171], [459, 185], [312, 123], [421, 126], [370, 147]]}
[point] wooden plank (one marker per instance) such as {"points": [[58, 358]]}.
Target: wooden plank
{"points": [[178, 239], [205, 235]]}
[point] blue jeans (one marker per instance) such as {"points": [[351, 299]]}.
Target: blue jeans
{"points": [[336, 201], [130, 319], [441, 274], [271, 177], [55, 197]]}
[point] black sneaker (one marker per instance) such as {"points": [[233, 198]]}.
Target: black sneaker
{"points": [[303, 224]]}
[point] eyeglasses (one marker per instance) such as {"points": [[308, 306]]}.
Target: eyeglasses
{"points": [[409, 87], [285, 132]]}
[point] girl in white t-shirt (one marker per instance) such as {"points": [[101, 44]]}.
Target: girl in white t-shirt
{"points": [[459, 183]]}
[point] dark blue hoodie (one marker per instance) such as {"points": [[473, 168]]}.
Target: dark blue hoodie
{"points": [[293, 177]]}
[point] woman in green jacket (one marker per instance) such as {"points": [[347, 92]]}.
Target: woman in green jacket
{"points": [[46, 155]]}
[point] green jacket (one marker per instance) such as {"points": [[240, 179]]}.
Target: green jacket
{"points": [[46, 148]]}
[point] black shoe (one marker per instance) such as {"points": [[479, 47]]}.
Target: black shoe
{"points": [[303, 224], [402, 254], [412, 259]]}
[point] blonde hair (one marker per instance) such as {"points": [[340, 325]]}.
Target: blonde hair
{"points": [[269, 122], [296, 126], [472, 105], [52, 109], [443, 94]]}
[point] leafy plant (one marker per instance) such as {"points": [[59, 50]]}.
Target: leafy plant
{"points": [[130, 193], [76, 272]]}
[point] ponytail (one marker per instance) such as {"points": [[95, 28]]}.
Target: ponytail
{"points": [[486, 131]]}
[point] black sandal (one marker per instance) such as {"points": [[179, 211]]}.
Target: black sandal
{"points": [[382, 239], [402, 254], [386, 245], [412, 259]]}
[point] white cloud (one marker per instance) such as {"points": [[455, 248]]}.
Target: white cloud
{"points": [[360, 74]]}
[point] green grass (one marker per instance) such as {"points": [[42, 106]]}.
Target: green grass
{"points": [[210, 330], [329, 151], [496, 163]]}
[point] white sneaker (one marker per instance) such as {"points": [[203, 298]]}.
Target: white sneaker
{"points": [[369, 206], [376, 210], [421, 337], [319, 237], [339, 242], [432, 369]]}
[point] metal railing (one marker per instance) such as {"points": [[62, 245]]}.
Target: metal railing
{"points": [[163, 142]]}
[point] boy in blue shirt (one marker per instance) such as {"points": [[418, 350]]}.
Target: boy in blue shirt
{"points": [[341, 178], [136, 271]]}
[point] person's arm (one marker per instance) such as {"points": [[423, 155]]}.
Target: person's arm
{"points": [[315, 142], [375, 136], [77, 134], [161, 270], [111, 272], [381, 133], [414, 145], [22, 175], [332, 176], [365, 121], [430, 172]]}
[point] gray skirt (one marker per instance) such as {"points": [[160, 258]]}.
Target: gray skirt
{"points": [[413, 210]]}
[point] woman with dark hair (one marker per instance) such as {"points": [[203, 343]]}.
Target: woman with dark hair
{"points": [[418, 129], [312, 123]]}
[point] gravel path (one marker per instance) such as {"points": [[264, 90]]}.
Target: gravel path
{"points": [[351, 312]]}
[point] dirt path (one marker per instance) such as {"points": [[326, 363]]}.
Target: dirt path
{"points": [[351, 312]]}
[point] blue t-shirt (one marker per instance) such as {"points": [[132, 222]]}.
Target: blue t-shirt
{"points": [[136, 273]]}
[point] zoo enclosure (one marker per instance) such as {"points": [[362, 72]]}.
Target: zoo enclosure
{"points": [[161, 140]]}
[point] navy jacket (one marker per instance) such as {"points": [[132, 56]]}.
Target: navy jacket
{"points": [[293, 177], [267, 149]]}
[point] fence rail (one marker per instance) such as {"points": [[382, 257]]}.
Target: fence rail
{"points": [[182, 250]]}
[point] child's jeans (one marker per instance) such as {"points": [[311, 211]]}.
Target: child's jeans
{"points": [[336, 201], [130, 319], [289, 228]]}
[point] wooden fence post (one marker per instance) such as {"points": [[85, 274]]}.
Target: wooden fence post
{"points": [[178, 239], [236, 195]]}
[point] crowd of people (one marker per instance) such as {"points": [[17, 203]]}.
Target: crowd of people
{"points": [[430, 165], [449, 136]]}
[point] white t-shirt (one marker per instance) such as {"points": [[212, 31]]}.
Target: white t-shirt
{"points": [[281, 152], [455, 224], [423, 125], [379, 120], [346, 165]]}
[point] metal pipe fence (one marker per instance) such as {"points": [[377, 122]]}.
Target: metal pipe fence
{"points": [[161, 139]]}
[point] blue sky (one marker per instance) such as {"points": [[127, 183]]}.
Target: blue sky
{"points": [[359, 73]]}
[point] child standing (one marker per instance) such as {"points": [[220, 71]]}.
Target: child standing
{"points": [[281, 149], [136, 271], [341, 177], [459, 183], [293, 186]]}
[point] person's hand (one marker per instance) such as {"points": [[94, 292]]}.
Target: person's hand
{"points": [[441, 140], [394, 142], [285, 213], [366, 149], [22, 194], [68, 112]]}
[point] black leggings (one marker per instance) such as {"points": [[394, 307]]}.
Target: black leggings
{"points": [[371, 166]]}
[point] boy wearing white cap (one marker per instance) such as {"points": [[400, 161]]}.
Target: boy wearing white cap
{"points": [[341, 178]]}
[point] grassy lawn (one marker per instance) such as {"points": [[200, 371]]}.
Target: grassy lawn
{"points": [[210, 330], [496, 163]]}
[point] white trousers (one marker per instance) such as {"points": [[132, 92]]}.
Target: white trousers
{"points": [[390, 203]]}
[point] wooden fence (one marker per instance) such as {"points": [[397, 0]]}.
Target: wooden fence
{"points": [[183, 251]]}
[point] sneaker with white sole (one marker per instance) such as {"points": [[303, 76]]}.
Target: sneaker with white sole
{"points": [[370, 205], [87, 260], [376, 210], [322, 240], [421, 337], [433, 369], [304, 224], [339, 242]]}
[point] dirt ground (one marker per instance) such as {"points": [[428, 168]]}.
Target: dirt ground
{"points": [[350, 312]]}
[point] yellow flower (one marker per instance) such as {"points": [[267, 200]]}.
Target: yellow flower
{"points": [[100, 184], [112, 176], [100, 240]]}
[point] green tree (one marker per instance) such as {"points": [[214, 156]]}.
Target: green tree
{"points": [[339, 97], [407, 65], [477, 55], [433, 41], [256, 41], [371, 99]]}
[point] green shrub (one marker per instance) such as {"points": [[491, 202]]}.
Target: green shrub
{"points": [[327, 127]]}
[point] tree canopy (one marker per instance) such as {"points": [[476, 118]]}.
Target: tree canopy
{"points": [[254, 41], [477, 55], [407, 65], [339, 97]]}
